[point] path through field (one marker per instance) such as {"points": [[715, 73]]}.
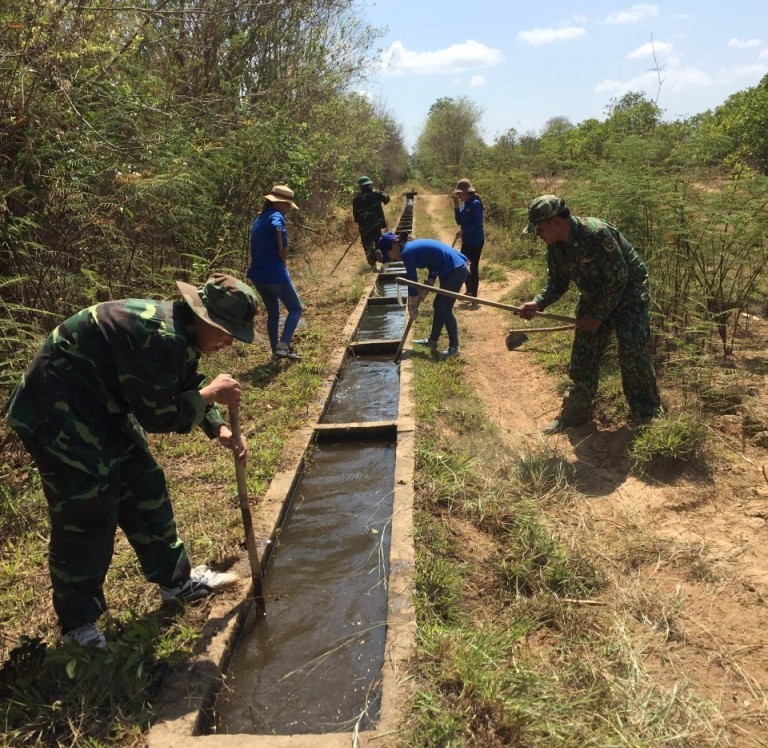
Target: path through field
{"points": [[717, 636]]}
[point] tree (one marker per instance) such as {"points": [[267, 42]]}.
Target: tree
{"points": [[450, 142], [743, 118]]}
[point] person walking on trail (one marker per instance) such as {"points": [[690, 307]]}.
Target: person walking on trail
{"points": [[368, 213], [614, 295], [269, 273], [101, 379], [468, 212], [443, 263]]}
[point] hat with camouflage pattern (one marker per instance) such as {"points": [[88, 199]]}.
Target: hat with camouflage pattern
{"points": [[542, 208], [224, 302]]}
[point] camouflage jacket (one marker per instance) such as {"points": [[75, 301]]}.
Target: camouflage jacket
{"points": [[605, 267], [367, 210], [119, 366]]}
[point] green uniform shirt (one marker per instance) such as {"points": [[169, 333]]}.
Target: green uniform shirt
{"points": [[604, 266], [367, 209], [114, 367]]}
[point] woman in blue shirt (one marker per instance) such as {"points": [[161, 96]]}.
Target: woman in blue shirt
{"points": [[468, 212], [443, 263], [269, 273]]}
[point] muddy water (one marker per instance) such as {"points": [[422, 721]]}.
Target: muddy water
{"points": [[382, 322], [368, 390], [313, 664]]}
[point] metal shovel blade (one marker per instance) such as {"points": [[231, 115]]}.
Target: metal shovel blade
{"points": [[515, 339]]}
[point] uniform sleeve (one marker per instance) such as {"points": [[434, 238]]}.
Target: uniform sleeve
{"points": [[278, 221], [557, 282], [384, 198], [411, 272], [355, 210]]}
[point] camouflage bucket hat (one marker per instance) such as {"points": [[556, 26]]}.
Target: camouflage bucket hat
{"points": [[542, 208], [224, 302], [363, 181]]}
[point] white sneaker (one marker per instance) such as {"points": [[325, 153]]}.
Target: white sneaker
{"points": [[86, 635], [202, 581], [449, 352], [284, 350]]}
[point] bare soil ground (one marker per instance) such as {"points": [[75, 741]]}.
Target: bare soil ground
{"points": [[701, 601]]}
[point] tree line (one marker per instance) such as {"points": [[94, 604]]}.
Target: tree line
{"points": [[692, 196], [136, 142]]}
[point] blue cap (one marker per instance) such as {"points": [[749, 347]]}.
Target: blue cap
{"points": [[385, 244]]}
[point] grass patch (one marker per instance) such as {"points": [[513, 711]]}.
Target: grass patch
{"points": [[510, 650], [667, 444]]}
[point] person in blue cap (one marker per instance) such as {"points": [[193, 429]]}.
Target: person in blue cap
{"points": [[442, 263]]}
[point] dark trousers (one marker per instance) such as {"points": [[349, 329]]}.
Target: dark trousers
{"points": [[472, 252], [124, 487], [638, 379], [369, 239], [442, 308]]}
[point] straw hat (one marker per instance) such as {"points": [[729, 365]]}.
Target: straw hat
{"points": [[282, 194]]}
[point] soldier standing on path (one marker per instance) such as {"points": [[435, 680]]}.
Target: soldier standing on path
{"points": [[614, 294], [368, 213]]}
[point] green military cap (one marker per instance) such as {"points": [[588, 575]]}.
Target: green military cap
{"points": [[364, 181], [542, 208], [224, 302]]}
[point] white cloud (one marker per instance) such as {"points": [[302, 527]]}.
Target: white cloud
{"points": [[457, 58], [537, 37], [743, 72], [763, 55], [635, 13], [744, 43], [477, 80], [660, 49]]}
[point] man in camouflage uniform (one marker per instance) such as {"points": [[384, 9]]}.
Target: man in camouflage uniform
{"points": [[102, 378], [614, 294], [368, 213]]}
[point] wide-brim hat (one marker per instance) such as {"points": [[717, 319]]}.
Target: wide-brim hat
{"points": [[363, 181], [464, 185], [224, 302], [281, 193]]}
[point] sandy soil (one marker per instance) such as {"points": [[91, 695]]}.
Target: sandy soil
{"points": [[717, 642]]}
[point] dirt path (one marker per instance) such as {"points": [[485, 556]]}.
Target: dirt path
{"points": [[699, 579]]}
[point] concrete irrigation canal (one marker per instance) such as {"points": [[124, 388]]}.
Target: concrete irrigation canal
{"points": [[325, 666]]}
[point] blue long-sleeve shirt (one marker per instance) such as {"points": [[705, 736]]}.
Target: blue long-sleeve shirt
{"points": [[266, 264], [469, 215], [439, 259]]}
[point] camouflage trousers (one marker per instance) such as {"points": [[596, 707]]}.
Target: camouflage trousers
{"points": [[638, 379], [369, 239], [120, 485]]}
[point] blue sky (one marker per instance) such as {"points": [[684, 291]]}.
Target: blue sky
{"points": [[524, 63]]}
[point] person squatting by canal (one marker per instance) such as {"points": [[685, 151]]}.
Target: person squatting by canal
{"points": [[443, 263], [368, 214], [269, 273], [468, 213], [614, 295], [100, 380]]}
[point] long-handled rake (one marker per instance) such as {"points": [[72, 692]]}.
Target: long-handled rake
{"points": [[515, 338]]}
